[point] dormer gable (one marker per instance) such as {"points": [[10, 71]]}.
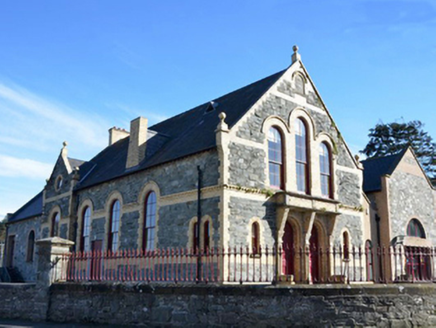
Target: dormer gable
{"points": [[64, 175]]}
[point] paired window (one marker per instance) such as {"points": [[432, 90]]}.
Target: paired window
{"points": [[56, 218], [30, 246], [301, 156], [275, 158], [325, 170], [114, 226], [148, 235], [206, 236], [255, 240], [415, 229], [86, 222]]}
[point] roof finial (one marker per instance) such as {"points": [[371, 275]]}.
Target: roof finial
{"points": [[64, 151], [295, 56], [222, 126]]}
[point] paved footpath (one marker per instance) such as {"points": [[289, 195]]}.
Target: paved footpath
{"points": [[28, 324]]}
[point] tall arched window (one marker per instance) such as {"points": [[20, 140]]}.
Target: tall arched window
{"points": [[148, 236], [301, 156], [56, 218], [275, 158], [255, 242], [415, 229], [114, 225], [30, 246], [86, 221], [325, 170]]}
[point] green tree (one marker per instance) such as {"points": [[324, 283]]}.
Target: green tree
{"points": [[391, 138]]}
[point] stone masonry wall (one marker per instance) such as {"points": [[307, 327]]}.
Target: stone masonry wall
{"points": [[23, 301], [247, 165], [244, 306], [171, 178], [242, 211], [174, 222], [21, 232], [411, 197]]}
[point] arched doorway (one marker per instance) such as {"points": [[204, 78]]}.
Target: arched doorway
{"points": [[288, 250], [314, 265]]}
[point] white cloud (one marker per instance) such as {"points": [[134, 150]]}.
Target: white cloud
{"points": [[28, 168], [31, 121]]}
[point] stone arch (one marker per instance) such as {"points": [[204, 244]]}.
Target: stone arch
{"points": [[113, 196], [84, 204], [55, 209], [301, 113], [150, 186], [274, 120], [191, 236]]}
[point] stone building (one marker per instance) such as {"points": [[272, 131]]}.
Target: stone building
{"points": [[275, 171], [403, 212]]}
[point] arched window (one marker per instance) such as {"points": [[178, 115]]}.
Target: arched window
{"points": [[149, 222], [114, 225], [275, 158], [255, 240], [301, 156], [415, 229], [346, 241], [325, 170], [30, 246], [86, 221], [56, 218]]}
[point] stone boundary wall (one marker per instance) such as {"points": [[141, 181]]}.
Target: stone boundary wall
{"points": [[23, 301], [245, 306], [412, 305]]}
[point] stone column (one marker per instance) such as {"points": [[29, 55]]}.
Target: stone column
{"points": [[50, 267]]}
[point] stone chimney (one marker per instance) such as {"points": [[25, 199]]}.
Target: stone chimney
{"points": [[137, 142], [116, 134]]}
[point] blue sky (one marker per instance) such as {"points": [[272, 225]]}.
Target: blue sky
{"points": [[70, 70]]}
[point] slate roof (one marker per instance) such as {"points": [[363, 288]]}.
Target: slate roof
{"points": [[185, 134], [32, 208], [375, 168], [75, 162]]}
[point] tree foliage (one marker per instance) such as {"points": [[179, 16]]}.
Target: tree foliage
{"points": [[391, 138]]}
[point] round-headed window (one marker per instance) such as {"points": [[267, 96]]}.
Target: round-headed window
{"points": [[58, 183], [415, 229]]}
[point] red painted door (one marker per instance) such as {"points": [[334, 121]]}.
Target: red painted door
{"points": [[288, 250], [314, 255]]}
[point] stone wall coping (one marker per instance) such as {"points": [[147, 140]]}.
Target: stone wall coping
{"points": [[253, 290], [17, 285], [55, 241]]}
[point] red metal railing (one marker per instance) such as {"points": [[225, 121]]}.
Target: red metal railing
{"points": [[245, 265]]}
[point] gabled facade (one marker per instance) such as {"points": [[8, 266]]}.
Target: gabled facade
{"points": [[403, 209], [275, 172]]}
